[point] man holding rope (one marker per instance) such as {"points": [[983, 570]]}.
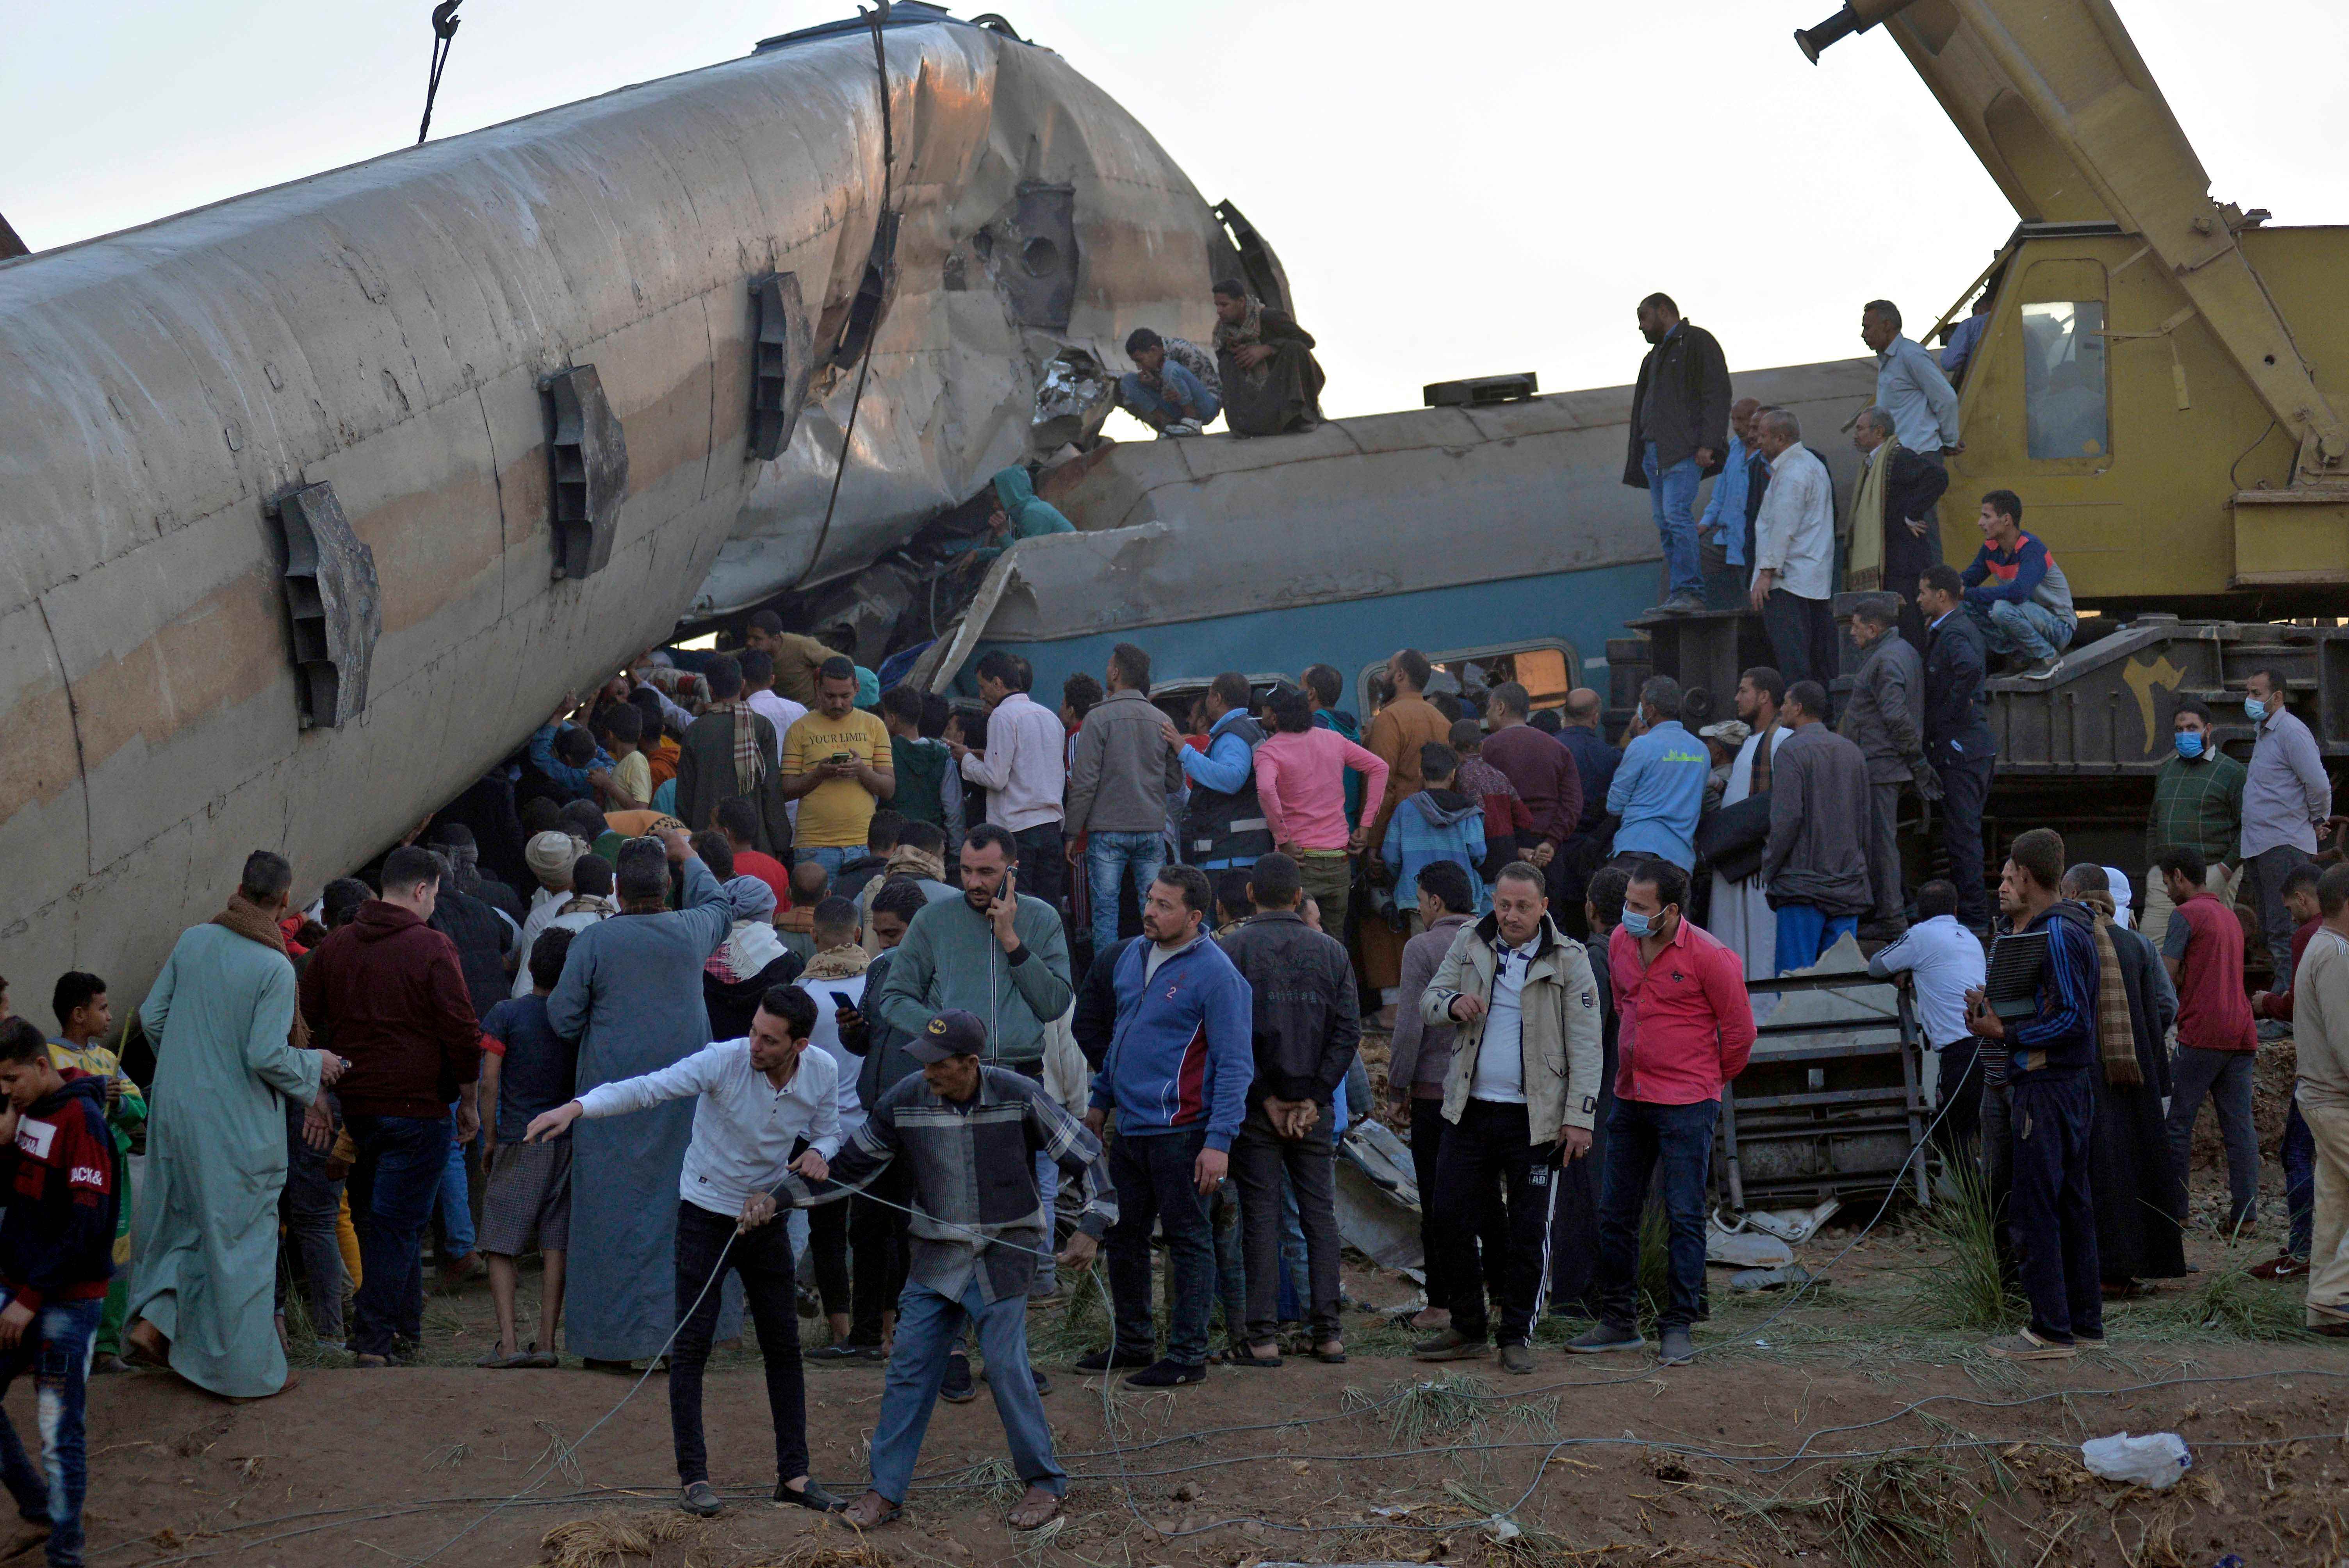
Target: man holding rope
{"points": [[969, 1135], [767, 1106]]}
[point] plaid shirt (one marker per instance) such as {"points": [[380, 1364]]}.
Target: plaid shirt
{"points": [[974, 1171], [2197, 805]]}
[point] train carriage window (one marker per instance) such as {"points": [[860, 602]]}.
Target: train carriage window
{"points": [[2064, 398], [1546, 669]]}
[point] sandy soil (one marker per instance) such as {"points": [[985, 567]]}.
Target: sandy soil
{"points": [[1798, 1438]]}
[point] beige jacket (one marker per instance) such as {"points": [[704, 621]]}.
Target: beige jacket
{"points": [[1558, 1006]]}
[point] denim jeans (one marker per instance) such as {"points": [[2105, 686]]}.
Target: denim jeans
{"points": [[1805, 932], [1155, 411], [2029, 629], [2226, 1078], [2299, 1157], [1671, 494], [310, 1210], [56, 1347], [2265, 871], [2050, 1212], [830, 859], [761, 1260], [1231, 1263], [456, 1198], [402, 1158], [929, 1326], [1107, 855], [1677, 1139], [1151, 1174]]}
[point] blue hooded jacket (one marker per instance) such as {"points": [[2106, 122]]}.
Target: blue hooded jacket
{"points": [[1029, 517], [1184, 1053]]}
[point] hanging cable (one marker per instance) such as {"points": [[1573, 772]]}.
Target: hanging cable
{"points": [[877, 19], [444, 33]]}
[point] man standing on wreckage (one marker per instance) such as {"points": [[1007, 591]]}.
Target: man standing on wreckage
{"points": [[969, 1134]]}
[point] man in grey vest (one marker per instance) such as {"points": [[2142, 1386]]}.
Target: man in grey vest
{"points": [[1223, 825]]}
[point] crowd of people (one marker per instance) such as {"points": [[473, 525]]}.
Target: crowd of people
{"points": [[928, 1005]]}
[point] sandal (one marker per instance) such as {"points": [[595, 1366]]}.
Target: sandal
{"points": [[1329, 1357], [1245, 1356], [858, 1515], [497, 1361]]}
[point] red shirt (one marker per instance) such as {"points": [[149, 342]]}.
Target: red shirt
{"points": [[1686, 1027], [769, 870], [2213, 1012]]}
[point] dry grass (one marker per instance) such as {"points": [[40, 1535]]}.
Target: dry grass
{"points": [[607, 1540], [828, 1550]]}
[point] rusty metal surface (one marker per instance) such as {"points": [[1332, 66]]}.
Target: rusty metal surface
{"points": [[385, 328]]}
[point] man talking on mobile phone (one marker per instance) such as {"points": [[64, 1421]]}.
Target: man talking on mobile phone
{"points": [[997, 954]]}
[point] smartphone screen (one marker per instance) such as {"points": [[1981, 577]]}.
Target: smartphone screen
{"points": [[842, 1002]]}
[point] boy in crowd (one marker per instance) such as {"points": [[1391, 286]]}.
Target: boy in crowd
{"points": [[83, 1019], [527, 1069], [56, 1254], [1437, 824]]}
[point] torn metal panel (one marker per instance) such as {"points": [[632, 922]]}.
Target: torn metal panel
{"points": [[385, 328]]}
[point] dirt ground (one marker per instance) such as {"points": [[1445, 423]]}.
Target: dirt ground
{"points": [[1840, 1428]]}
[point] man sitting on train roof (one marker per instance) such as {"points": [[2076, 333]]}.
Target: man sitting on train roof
{"points": [[1167, 389], [2016, 593], [1271, 383]]}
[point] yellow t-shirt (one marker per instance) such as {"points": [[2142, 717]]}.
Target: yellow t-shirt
{"points": [[634, 775], [837, 812]]}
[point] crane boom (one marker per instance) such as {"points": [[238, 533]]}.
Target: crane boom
{"points": [[2060, 107]]}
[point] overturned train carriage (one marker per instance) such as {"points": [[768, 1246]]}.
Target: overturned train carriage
{"points": [[318, 500]]}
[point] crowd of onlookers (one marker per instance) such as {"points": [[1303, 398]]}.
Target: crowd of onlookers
{"points": [[743, 918]]}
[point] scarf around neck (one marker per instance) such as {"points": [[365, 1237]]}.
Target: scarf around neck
{"points": [[2115, 1036], [1865, 572], [836, 962], [254, 923], [750, 759], [920, 863], [1248, 329]]}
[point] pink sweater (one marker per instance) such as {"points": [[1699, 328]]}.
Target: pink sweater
{"points": [[1301, 781]]}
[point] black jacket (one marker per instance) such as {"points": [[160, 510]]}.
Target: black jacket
{"points": [[1911, 487], [1691, 381], [1095, 1022], [1954, 662], [1307, 1021], [482, 942]]}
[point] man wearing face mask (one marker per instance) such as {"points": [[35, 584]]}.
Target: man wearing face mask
{"points": [[2198, 804], [1684, 1029], [2287, 796]]}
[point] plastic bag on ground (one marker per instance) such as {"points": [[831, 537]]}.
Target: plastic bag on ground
{"points": [[2156, 1459]]}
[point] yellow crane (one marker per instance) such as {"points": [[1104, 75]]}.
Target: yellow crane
{"points": [[2159, 375]]}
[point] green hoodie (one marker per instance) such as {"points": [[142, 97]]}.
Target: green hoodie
{"points": [[949, 959], [1029, 517]]}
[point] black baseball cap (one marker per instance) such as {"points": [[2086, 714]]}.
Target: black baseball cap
{"points": [[953, 1033]]}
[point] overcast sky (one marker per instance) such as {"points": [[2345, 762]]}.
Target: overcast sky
{"points": [[1452, 191]]}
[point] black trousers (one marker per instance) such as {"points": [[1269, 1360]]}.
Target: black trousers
{"points": [[762, 1259], [1965, 789], [1490, 1150], [1260, 1157], [1802, 636], [1462, 1268], [828, 1254], [879, 1253], [1043, 868], [2050, 1210]]}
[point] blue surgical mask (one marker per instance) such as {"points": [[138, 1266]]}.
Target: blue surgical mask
{"points": [[2190, 744], [1637, 923], [2254, 709]]}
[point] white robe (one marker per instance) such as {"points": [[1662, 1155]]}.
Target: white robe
{"points": [[1741, 916]]}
